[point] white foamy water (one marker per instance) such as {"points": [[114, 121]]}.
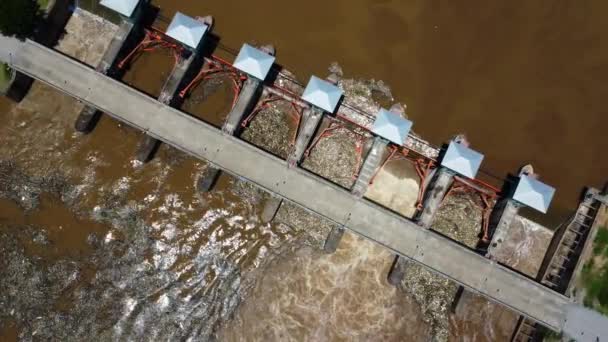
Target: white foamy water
{"points": [[313, 296]]}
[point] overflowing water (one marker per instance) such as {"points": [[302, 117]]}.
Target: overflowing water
{"points": [[95, 244], [312, 296], [524, 80]]}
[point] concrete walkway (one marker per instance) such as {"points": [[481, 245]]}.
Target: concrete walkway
{"points": [[8, 46], [247, 162]]}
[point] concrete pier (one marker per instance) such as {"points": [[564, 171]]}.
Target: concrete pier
{"points": [[368, 169], [370, 165], [147, 148], [400, 235], [87, 119], [208, 179], [149, 145], [89, 116], [372, 162], [333, 239], [501, 218], [176, 79], [271, 207], [250, 94], [434, 195], [248, 97], [311, 118], [397, 271], [505, 210], [123, 35]]}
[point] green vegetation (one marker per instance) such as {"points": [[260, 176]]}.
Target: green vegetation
{"points": [[595, 274], [5, 76], [18, 17], [44, 4], [601, 241]]}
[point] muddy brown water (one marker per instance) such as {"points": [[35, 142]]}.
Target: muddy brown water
{"points": [[138, 69], [521, 79], [524, 80], [67, 233]]}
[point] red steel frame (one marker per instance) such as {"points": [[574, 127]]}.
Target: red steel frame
{"points": [[213, 67], [153, 40], [488, 198], [334, 126], [266, 102]]}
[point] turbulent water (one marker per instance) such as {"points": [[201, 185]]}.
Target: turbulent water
{"points": [[95, 245], [312, 296], [139, 255]]}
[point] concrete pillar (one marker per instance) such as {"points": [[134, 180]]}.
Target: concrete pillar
{"points": [[434, 196], [372, 162], [333, 239], [175, 80], [271, 207], [248, 97], [397, 271], [310, 122], [208, 179], [503, 214], [89, 116], [149, 145], [146, 149], [108, 61], [87, 119]]}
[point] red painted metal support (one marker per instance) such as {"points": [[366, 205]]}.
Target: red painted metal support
{"points": [[393, 156], [325, 133], [213, 67], [153, 40], [359, 151], [297, 117], [263, 104], [487, 196], [266, 102], [205, 71], [423, 169], [334, 126]]}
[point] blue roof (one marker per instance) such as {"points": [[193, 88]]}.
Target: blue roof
{"points": [[462, 160], [392, 127], [124, 7], [322, 94], [534, 194], [186, 30], [254, 62]]}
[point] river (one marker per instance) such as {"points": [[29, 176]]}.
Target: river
{"points": [[521, 79], [524, 80]]}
